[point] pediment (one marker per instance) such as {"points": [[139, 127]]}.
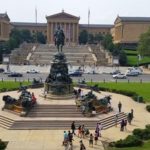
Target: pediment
{"points": [[62, 15], [118, 19]]}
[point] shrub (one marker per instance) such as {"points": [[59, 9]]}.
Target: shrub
{"points": [[147, 126], [148, 108], [2, 145], [130, 141], [143, 134]]}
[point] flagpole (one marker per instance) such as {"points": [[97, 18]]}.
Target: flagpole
{"points": [[36, 22], [88, 23]]}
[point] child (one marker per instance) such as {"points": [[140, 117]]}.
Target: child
{"points": [[91, 140]]}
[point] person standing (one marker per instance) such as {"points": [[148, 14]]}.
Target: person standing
{"points": [[116, 120], [129, 118], [96, 137], [73, 127], [122, 125], [119, 106], [132, 113], [82, 147], [91, 140]]}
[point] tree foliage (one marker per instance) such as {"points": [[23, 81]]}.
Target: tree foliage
{"points": [[108, 42], [39, 37], [144, 44], [83, 37]]}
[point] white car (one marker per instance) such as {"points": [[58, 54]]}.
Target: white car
{"points": [[33, 71], [135, 70], [119, 76], [7, 72]]}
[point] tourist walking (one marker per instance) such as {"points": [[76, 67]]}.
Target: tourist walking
{"points": [[116, 120], [96, 137], [79, 131], [91, 140], [122, 125], [119, 106], [82, 146], [70, 139], [132, 113], [73, 128], [82, 131], [129, 118], [65, 141], [125, 125]]}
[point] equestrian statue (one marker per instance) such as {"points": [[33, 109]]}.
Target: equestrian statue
{"points": [[59, 37]]}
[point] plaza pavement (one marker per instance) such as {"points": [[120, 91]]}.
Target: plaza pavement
{"points": [[52, 139]]}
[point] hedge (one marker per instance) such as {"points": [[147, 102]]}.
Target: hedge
{"points": [[148, 108]]}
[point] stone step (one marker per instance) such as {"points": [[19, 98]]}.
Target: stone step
{"points": [[5, 122], [64, 124]]}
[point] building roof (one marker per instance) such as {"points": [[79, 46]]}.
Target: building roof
{"points": [[62, 15], [132, 19], [95, 25], [29, 24], [4, 15]]}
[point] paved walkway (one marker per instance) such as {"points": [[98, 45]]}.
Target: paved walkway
{"points": [[52, 140]]}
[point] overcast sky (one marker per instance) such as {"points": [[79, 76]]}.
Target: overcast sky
{"points": [[101, 11]]}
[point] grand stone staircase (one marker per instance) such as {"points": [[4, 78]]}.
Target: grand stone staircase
{"points": [[64, 124], [102, 59], [76, 55], [56, 117]]}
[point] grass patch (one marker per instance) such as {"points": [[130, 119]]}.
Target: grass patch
{"points": [[10, 85], [133, 60], [142, 89], [146, 146], [131, 52]]}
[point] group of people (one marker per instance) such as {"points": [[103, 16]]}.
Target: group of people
{"points": [[78, 93], [82, 132], [124, 122]]}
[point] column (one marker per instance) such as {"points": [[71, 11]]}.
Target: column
{"points": [[48, 36], [0, 29], [65, 31], [52, 32], [77, 37], [73, 33], [69, 33]]}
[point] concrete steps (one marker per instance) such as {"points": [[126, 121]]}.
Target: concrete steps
{"points": [[65, 124], [67, 111], [6, 122]]}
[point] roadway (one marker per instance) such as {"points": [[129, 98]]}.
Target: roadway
{"points": [[103, 77]]}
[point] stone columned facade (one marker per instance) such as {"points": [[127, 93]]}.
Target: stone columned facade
{"points": [[69, 24]]}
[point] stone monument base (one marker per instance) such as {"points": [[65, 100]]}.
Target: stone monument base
{"points": [[57, 97]]}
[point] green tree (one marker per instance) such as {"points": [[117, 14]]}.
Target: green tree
{"points": [[108, 42], [122, 58], [16, 34], [39, 37], [83, 37], [91, 38], [98, 37], [26, 36], [144, 44]]}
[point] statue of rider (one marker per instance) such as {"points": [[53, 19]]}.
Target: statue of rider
{"points": [[59, 38]]}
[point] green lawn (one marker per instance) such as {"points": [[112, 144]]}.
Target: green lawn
{"points": [[146, 146], [142, 89], [131, 52], [133, 60], [11, 84]]}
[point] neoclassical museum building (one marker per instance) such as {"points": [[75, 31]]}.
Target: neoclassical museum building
{"points": [[125, 30]]}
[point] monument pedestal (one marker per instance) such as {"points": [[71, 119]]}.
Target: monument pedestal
{"points": [[58, 84]]}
